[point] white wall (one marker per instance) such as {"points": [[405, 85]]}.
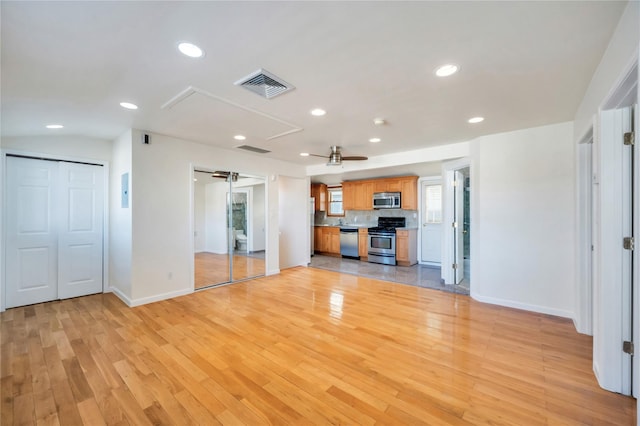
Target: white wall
{"points": [[294, 222], [120, 218], [620, 54], [67, 146], [162, 250], [522, 251]]}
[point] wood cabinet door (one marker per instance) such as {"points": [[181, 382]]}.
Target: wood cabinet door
{"points": [[319, 192], [349, 196], [380, 185], [402, 246], [365, 195], [317, 238], [394, 185], [363, 243], [334, 241], [409, 196]]}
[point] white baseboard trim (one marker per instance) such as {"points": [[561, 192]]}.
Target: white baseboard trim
{"points": [[273, 272], [524, 306], [120, 295], [150, 299]]}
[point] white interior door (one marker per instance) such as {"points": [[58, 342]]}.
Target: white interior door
{"points": [[431, 231], [458, 234], [613, 200], [54, 230], [31, 232], [80, 239]]}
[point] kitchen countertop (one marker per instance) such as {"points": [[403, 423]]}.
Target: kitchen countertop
{"points": [[359, 226], [346, 225]]}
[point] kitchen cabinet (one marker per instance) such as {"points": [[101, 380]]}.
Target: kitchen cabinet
{"points": [[319, 192], [406, 247], [365, 195], [318, 243], [349, 194], [327, 239], [357, 194], [334, 239], [363, 243], [409, 190]]}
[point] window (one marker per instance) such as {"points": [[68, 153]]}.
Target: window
{"points": [[335, 201], [433, 203]]}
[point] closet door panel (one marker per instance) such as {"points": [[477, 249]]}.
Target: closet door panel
{"points": [[81, 230], [31, 232]]}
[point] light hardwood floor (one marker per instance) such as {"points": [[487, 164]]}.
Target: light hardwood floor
{"points": [[211, 268], [305, 347]]}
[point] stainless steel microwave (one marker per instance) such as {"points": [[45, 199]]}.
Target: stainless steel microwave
{"points": [[386, 200]]}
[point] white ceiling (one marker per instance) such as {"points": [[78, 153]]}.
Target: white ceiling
{"points": [[522, 64]]}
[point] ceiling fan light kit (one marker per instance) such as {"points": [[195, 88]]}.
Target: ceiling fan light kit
{"points": [[336, 158]]}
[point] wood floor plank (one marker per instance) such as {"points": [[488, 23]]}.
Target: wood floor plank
{"points": [[45, 408], [6, 401], [303, 347], [90, 413]]}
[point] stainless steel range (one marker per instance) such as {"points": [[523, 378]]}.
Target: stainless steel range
{"points": [[382, 240]]}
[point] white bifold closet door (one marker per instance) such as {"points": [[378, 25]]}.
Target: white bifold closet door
{"points": [[54, 238]]}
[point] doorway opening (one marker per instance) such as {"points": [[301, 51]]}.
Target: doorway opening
{"points": [[456, 231], [229, 227]]}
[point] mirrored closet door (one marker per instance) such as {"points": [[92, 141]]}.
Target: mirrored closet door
{"points": [[230, 220]]}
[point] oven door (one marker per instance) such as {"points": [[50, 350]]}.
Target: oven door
{"points": [[380, 243]]}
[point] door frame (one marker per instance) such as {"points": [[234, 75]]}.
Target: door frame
{"points": [[448, 215], [248, 190], [193, 167], [106, 288], [428, 180], [621, 94]]}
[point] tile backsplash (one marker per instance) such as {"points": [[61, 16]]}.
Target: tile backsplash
{"points": [[367, 217]]}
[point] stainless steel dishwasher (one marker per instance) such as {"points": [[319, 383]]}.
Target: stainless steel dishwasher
{"points": [[349, 242]]}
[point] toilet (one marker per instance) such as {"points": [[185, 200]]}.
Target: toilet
{"points": [[241, 241]]}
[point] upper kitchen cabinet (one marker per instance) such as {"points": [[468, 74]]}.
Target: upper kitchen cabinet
{"points": [[319, 192], [409, 192], [358, 194]]}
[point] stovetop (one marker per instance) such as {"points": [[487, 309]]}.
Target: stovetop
{"points": [[389, 224]]}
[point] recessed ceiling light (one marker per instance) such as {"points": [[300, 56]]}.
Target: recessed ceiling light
{"points": [[375, 140], [195, 180], [304, 154], [128, 105], [239, 137], [54, 126], [475, 120], [446, 70], [379, 121], [318, 112], [191, 50]]}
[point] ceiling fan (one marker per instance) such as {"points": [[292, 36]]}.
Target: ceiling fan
{"points": [[336, 157]]}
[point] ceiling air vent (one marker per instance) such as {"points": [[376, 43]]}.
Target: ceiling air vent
{"points": [[253, 149], [264, 84]]}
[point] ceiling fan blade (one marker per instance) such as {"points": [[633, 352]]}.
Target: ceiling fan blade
{"points": [[354, 157], [321, 156]]}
